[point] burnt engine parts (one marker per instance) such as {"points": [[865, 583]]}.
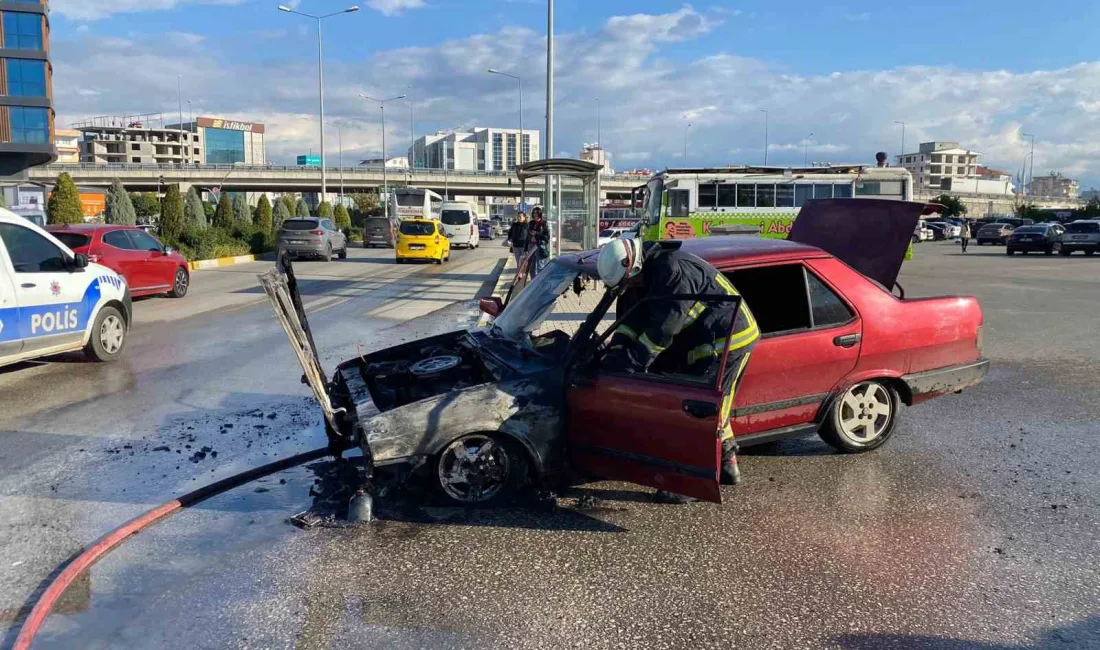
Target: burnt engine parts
{"points": [[430, 372]]}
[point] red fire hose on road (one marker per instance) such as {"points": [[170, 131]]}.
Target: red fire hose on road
{"points": [[108, 542]]}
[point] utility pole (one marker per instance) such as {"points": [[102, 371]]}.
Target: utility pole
{"points": [[1030, 176], [765, 136], [806, 142], [686, 129], [340, 143], [522, 197], [385, 177], [179, 92], [902, 137], [549, 97]]}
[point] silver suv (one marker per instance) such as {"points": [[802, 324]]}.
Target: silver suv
{"points": [[312, 237], [1081, 236]]}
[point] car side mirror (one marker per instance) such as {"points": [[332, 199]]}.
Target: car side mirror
{"points": [[80, 262], [168, 250], [492, 306]]}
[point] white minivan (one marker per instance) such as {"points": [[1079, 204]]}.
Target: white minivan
{"points": [[54, 301], [459, 220]]}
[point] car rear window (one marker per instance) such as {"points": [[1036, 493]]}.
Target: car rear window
{"points": [[994, 226], [300, 224], [73, 240], [414, 228], [1030, 230], [378, 222], [455, 217], [1083, 227]]}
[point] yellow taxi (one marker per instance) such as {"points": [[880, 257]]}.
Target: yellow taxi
{"points": [[422, 239]]}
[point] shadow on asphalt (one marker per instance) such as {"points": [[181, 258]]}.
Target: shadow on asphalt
{"points": [[808, 446], [1083, 634]]}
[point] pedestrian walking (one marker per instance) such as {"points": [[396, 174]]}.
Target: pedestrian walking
{"points": [[964, 234], [538, 240], [517, 237]]}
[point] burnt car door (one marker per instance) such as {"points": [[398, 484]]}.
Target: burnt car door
{"points": [[282, 290], [658, 430]]}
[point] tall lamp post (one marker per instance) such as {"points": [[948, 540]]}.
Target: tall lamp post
{"points": [[806, 150], [765, 136], [385, 179], [320, 85], [902, 136], [1031, 172], [522, 198], [550, 107], [686, 129]]}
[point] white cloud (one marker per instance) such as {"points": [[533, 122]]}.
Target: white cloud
{"points": [[644, 97], [96, 9], [394, 7]]}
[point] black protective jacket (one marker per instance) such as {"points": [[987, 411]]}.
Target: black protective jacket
{"points": [[517, 235], [538, 233]]}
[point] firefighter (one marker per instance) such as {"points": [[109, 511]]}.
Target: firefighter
{"points": [[678, 336]]}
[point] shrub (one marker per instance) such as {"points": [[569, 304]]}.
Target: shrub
{"points": [[223, 216], [194, 211], [64, 204], [280, 214], [341, 217], [264, 215], [301, 210], [171, 218]]}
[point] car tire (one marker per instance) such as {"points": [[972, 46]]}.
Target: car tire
{"points": [[1065, 252], [1050, 249], [328, 254], [440, 260], [343, 253], [1009, 251], [871, 406], [180, 284], [1089, 253], [501, 471], [108, 335]]}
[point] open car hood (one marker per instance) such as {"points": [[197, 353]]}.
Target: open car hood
{"points": [[870, 235]]}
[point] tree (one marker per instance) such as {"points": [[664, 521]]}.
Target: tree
{"points": [[301, 210], [64, 204], [279, 215], [952, 206], [324, 211], [120, 210], [263, 215], [367, 203], [171, 216], [146, 205], [241, 212], [341, 217], [289, 201], [223, 216], [194, 212], [209, 209]]}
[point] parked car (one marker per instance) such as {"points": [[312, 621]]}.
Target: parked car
{"points": [[149, 267], [312, 237], [379, 231], [485, 230], [481, 412], [1082, 236], [606, 236], [945, 229], [422, 239], [993, 233], [53, 300], [1044, 238], [939, 231]]}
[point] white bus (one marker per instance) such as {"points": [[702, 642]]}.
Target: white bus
{"points": [[686, 203], [414, 203]]}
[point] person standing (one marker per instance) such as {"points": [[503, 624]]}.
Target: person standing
{"points": [[964, 234], [538, 240], [517, 237]]}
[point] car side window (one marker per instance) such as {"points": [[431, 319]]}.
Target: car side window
{"points": [[145, 242], [777, 297], [119, 239], [827, 307], [30, 252], [328, 224]]}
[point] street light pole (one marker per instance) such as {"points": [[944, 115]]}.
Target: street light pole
{"points": [[550, 97], [1031, 173], [320, 85], [340, 143], [522, 198], [806, 154], [191, 132], [686, 128], [385, 177], [765, 136], [902, 136]]}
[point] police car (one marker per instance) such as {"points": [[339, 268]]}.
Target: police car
{"points": [[53, 301]]}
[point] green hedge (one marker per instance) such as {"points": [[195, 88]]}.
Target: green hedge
{"points": [[212, 243]]}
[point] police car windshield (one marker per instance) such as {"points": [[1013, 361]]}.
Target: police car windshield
{"points": [[531, 307]]}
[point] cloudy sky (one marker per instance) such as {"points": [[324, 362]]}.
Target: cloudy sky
{"points": [[980, 72]]}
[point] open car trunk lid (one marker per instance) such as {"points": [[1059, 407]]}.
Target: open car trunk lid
{"points": [[282, 290], [870, 235]]}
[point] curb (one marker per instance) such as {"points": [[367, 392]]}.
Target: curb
{"points": [[200, 265], [504, 283]]}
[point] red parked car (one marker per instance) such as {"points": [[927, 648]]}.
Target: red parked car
{"points": [[483, 411], [149, 267]]}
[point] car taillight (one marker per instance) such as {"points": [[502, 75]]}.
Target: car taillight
{"points": [[318, 232]]}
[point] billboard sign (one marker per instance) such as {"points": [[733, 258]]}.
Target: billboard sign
{"points": [[230, 125]]}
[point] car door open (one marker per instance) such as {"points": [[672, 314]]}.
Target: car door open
{"points": [[658, 430]]}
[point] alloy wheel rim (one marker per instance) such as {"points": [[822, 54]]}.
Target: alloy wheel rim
{"points": [[865, 412], [110, 334], [181, 282], [473, 469]]}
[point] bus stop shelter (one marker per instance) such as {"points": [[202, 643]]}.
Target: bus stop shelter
{"points": [[571, 202]]}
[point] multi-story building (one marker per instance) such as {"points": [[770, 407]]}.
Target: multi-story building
{"points": [[479, 149], [67, 143], [139, 140], [26, 89], [219, 141], [1054, 185], [395, 162], [936, 164], [595, 154]]}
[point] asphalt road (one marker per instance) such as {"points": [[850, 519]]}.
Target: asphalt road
{"points": [[976, 527]]}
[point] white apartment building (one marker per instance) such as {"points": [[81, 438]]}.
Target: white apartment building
{"points": [[935, 165], [397, 162], [595, 154], [67, 142], [1054, 185], [478, 149]]}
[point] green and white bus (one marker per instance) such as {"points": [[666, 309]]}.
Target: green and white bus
{"points": [[687, 203]]}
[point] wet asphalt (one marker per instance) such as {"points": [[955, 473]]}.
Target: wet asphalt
{"points": [[975, 527]]}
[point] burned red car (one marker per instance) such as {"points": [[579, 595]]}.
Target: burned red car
{"points": [[483, 411]]}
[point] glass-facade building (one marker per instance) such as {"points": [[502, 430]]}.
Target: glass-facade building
{"points": [[224, 147], [26, 93]]}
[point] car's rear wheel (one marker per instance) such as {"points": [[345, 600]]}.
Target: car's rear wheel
{"points": [[480, 469], [344, 252], [1053, 248], [180, 285], [862, 418], [1089, 253], [108, 336], [328, 253], [1009, 251], [1065, 252]]}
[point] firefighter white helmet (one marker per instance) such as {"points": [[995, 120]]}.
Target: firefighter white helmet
{"points": [[620, 259]]}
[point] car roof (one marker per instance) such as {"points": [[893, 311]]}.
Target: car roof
{"points": [[720, 251], [88, 227]]}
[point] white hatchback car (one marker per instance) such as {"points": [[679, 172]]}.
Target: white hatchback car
{"points": [[54, 301]]}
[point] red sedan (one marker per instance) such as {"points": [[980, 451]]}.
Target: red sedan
{"points": [[481, 412], [150, 268]]}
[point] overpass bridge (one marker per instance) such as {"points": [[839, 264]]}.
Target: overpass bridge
{"points": [[273, 178]]}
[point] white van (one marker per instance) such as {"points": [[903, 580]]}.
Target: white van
{"points": [[54, 301], [459, 220]]}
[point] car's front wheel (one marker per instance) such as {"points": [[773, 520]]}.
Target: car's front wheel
{"points": [[1009, 251], [862, 418], [108, 336], [480, 469], [180, 285]]}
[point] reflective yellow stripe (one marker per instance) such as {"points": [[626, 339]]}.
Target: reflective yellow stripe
{"points": [[739, 340], [627, 332], [653, 348], [724, 282], [694, 313], [727, 401]]}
